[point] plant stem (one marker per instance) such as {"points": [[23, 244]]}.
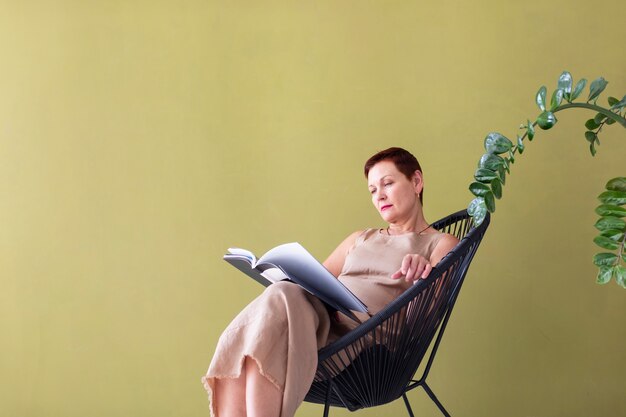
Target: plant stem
{"points": [[608, 113], [621, 251], [523, 137]]}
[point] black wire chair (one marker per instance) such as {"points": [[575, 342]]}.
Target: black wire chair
{"points": [[375, 363]]}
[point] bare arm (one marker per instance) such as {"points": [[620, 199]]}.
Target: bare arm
{"points": [[334, 262]]}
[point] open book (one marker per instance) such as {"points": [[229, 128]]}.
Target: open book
{"points": [[291, 261]]}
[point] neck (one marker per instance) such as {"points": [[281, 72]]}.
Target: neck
{"points": [[416, 223]]}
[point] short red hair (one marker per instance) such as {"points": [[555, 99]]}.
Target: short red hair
{"points": [[404, 161]]}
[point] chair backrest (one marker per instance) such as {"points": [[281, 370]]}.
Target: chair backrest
{"points": [[375, 362]]}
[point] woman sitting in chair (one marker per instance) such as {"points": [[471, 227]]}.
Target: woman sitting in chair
{"points": [[265, 360]]}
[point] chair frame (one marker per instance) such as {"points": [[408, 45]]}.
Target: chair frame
{"points": [[345, 384]]}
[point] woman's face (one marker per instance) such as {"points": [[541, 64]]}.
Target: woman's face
{"points": [[393, 194]]}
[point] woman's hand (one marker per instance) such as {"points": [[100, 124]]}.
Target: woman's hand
{"points": [[413, 267]]}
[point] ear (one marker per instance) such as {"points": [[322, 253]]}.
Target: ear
{"points": [[418, 181]]}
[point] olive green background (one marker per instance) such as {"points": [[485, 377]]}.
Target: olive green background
{"points": [[139, 140]]}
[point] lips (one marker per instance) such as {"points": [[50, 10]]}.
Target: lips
{"points": [[385, 207]]}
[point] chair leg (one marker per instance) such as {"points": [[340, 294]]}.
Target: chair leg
{"points": [[433, 397], [408, 406], [327, 403], [326, 409]]}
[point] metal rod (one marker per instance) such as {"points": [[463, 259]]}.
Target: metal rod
{"points": [[433, 397]]}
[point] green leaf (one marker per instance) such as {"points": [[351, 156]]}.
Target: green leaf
{"points": [[485, 175], [613, 234], [580, 86], [490, 202], [612, 101], [604, 259], [506, 166], [557, 98], [611, 210], [546, 120], [609, 121], [620, 275], [477, 210], [599, 118], [592, 148], [473, 206], [511, 157], [520, 143], [479, 189], [530, 130], [620, 104], [496, 187], [610, 223], [617, 184], [613, 197], [591, 124], [597, 86], [591, 136], [491, 161], [565, 82], [606, 243], [497, 143], [502, 174], [540, 98], [604, 275]]}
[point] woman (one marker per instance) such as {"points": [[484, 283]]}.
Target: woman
{"points": [[265, 360]]}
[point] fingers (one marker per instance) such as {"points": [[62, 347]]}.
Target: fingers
{"points": [[427, 270], [404, 267], [397, 274], [413, 268], [416, 266], [412, 272]]}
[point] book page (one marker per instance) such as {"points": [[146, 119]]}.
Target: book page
{"points": [[310, 274], [242, 263], [244, 254], [274, 274]]}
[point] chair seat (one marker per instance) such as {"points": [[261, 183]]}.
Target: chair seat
{"points": [[368, 368]]}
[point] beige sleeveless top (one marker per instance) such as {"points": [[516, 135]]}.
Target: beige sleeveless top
{"points": [[374, 257]]}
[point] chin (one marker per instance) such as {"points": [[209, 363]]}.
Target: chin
{"points": [[386, 217]]}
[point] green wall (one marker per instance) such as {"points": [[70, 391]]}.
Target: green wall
{"points": [[139, 140]]}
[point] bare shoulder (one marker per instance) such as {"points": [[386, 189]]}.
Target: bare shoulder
{"points": [[334, 262], [448, 240], [354, 236], [445, 244], [347, 244]]}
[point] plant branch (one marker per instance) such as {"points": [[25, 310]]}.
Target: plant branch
{"points": [[609, 114], [493, 168], [621, 251]]}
